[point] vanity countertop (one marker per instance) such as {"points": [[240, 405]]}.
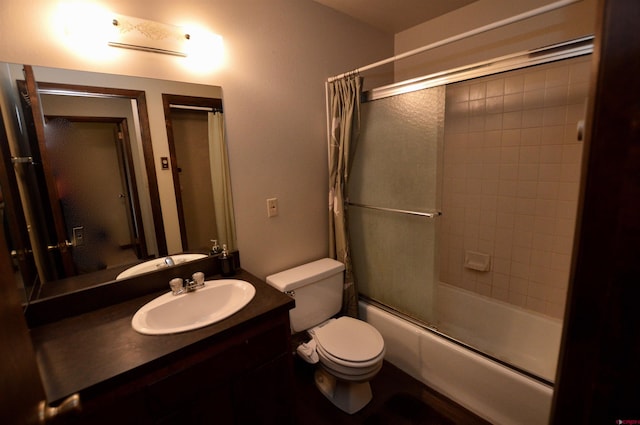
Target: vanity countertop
{"points": [[90, 349]]}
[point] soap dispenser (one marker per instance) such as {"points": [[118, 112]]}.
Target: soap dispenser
{"points": [[226, 262], [215, 249]]}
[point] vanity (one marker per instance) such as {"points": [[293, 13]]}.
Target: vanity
{"points": [[238, 370]]}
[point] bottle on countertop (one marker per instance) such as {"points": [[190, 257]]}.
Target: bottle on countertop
{"points": [[215, 249], [226, 262]]}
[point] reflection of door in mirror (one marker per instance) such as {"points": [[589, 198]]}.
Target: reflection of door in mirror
{"points": [[191, 154], [204, 202], [65, 161], [91, 162], [86, 165], [53, 256]]}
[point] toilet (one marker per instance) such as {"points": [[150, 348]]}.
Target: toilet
{"points": [[349, 351]]}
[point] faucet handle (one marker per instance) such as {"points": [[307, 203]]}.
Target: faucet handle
{"points": [[176, 285], [198, 278]]}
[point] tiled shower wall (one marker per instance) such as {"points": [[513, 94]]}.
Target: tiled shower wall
{"points": [[510, 182]]}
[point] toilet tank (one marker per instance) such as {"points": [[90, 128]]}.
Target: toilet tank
{"points": [[316, 287]]}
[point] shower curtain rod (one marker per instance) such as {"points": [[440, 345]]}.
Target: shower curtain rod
{"points": [[485, 28], [195, 108]]}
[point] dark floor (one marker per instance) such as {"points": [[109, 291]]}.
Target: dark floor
{"points": [[398, 399]]}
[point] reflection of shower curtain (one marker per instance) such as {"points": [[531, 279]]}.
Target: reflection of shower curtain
{"points": [[344, 104], [221, 181]]}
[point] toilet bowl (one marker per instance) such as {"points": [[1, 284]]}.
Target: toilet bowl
{"points": [[350, 354], [349, 351], [350, 347]]}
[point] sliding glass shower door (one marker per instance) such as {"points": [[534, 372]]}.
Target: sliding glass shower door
{"points": [[498, 154], [394, 196]]}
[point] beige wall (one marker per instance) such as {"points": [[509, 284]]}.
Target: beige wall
{"points": [[278, 54]]}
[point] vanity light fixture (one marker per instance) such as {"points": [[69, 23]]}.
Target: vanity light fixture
{"points": [[91, 32], [149, 36]]}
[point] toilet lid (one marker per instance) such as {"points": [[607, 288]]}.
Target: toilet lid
{"points": [[350, 339]]}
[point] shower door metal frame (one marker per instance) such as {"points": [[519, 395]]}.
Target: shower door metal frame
{"points": [[556, 52]]}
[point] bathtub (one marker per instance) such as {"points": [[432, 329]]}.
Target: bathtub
{"points": [[491, 390], [520, 337]]}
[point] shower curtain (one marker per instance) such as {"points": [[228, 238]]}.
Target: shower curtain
{"points": [[344, 104], [221, 180]]}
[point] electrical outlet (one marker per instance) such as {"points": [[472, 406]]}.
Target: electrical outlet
{"points": [[272, 207]]}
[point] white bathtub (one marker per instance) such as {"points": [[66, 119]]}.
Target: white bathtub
{"points": [[520, 337], [485, 387]]}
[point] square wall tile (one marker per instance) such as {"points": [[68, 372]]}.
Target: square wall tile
{"points": [[511, 180]]}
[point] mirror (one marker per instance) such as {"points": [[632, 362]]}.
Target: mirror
{"points": [[108, 150]]}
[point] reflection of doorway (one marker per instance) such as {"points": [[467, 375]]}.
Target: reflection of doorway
{"points": [[91, 163], [191, 150], [52, 244], [188, 133]]}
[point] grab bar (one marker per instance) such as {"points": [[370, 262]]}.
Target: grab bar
{"points": [[394, 210]]}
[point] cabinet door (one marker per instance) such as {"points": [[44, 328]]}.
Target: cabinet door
{"points": [[265, 395], [211, 407], [109, 409]]}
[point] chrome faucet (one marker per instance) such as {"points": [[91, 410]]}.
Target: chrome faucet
{"points": [[182, 286]]}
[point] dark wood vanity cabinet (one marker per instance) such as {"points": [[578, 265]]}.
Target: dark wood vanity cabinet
{"points": [[236, 371], [243, 377]]}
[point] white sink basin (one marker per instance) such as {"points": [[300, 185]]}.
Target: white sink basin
{"points": [[157, 263], [170, 313]]}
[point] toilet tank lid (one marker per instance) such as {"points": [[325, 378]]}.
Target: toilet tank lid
{"points": [[291, 279]]}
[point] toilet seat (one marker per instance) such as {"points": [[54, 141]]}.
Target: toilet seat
{"points": [[351, 374], [349, 342], [339, 363]]}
